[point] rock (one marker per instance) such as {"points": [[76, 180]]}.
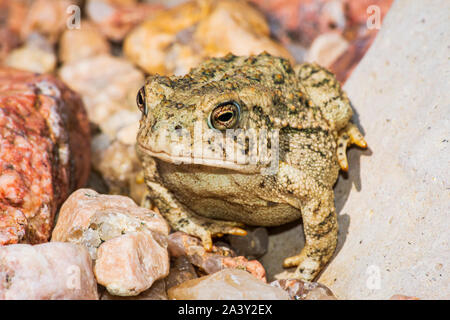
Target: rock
{"points": [[326, 48], [181, 37], [127, 242], [46, 271], [77, 44], [36, 55], [402, 297], [253, 245], [120, 168], [228, 284], [108, 86], [129, 264], [156, 292], [90, 218], [44, 143], [254, 267], [116, 18], [396, 194], [46, 17], [181, 270], [182, 244], [302, 290]]}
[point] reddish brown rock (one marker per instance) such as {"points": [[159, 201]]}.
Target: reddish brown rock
{"points": [[129, 264], [228, 284], [182, 244], [46, 271], [181, 270], [302, 290], [44, 153]]}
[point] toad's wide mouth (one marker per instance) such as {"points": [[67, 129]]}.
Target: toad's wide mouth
{"points": [[210, 162]]}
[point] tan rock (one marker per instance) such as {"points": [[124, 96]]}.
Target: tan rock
{"points": [[90, 218], [76, 44], [108, 85], [129, 264], [46, 271], [116, 18], [326, 48], [120, 167], [228, 284], [36, 55], [181, 37]]}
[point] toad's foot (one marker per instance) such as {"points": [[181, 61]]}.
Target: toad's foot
{"points": [[320, 228], [205, 229], [348, 136]]}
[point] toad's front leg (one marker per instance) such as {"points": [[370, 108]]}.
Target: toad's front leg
{"points": [[180, 217], [320, 228]]}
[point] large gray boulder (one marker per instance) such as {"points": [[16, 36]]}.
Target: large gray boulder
{"points": [[394, 206]]}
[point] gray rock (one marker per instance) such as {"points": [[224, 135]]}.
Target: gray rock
{"points": [[397, 193], [253, 245]]}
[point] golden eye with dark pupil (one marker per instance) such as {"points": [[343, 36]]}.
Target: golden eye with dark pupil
{"points": [[140, 101], [225, 116]]}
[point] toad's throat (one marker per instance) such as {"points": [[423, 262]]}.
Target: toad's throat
{"points": [[166, 156]]}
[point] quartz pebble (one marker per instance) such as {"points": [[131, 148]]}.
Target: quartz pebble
{"points": [[227, 284], [47, 271], [127, 242], [129, 264], [302, 290], [91, 218], [253, 245]]}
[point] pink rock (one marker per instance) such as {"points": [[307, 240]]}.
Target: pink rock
{"points": [[129, 264], [228, 284], [89, 218], [46, 271]]}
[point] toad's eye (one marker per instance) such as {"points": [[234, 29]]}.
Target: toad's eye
{"points": [[140, 101], [225, 116]]}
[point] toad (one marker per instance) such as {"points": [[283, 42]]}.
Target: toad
{"points": [[248, 140]]}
